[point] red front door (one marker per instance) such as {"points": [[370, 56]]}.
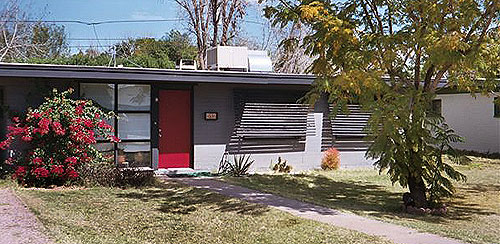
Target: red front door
{"points": [[175, 129]]}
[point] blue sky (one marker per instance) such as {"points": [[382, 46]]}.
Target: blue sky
{"points": [[102, 10]]}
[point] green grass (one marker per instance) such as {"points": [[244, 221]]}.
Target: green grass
{"points": [[474, 213], [6, 183], [171, 213]]}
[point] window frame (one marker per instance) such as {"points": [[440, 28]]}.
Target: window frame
{"points": [[433, 106], [117, 112], [496, 107]]}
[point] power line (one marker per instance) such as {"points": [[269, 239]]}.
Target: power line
{"points": [[254, 22], [93, 23], [111, 39], [87, 46], [109, 21]]}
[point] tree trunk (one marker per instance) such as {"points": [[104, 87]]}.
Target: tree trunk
{"points": [[201, 61], [417, 191]]}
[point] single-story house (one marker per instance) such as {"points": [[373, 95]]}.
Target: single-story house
{"points": [[190, 119]]}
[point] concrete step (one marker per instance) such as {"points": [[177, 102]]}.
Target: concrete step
{"points": [[181, 172]]}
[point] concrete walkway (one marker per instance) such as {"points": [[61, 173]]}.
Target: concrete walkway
{"points": [[395, 233], [17, 224]]}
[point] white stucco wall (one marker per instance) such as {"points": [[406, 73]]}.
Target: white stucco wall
{"points": [[472, 118]]}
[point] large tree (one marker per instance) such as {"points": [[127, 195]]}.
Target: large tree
{"points": [[161, 53], [290, 55], [392, 56], [206, 17], [21, 39]]}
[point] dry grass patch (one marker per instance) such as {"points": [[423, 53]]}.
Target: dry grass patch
{"points": [[172, 213], [474, 213]]}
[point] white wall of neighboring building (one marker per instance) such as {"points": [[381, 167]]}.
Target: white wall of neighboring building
{"points": [[472, 118]]}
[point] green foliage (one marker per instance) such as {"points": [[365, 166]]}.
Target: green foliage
{"points": [[282, 166], [50, 40], [107, 174], [58, 138], [144, 52], [238, 166], [410, 142], [21, 40], [391, 57]]}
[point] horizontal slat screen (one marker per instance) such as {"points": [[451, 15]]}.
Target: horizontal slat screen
{"points": [[268, 122], [346, 131]]}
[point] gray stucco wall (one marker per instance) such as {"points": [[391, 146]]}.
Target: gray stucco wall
{"points": [[21, 93], [211, 137]]}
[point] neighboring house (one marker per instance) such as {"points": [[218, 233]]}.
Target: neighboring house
{"points": [[476, 119], [189, 119]]}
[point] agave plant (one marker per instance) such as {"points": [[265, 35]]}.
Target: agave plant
{"points": [[239, 166]]}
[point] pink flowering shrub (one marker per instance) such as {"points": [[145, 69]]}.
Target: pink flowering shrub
{"points": [[58, 135]]}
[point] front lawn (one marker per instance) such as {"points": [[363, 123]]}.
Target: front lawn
{"points": [[474, 214], [171, 213]]}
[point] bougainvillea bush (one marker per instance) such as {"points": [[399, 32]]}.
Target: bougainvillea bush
{"points": [[57, 137]]}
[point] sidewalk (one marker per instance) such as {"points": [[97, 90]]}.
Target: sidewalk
{"points": [[17, 224], [395, 233]]}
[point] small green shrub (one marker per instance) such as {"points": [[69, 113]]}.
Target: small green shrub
{"points": [[331, 159], [6, 168], [239, 166], [99, 174], [135, 177], [282, 166], [109, 175]]}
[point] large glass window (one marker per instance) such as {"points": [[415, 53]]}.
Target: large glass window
{"points": [[135, 126], [103, 94], [132, 104], [107, 149], [134, 154], [134, 97]]}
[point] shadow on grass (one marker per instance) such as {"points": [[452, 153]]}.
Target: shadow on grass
{"points": [[179, 199], [355, 196]]}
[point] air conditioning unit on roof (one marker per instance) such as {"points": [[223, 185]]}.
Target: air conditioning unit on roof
{"points": [[227, 58], [186, 64], [258, 61]]}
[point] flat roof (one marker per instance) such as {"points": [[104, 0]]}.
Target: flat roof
{"points": [[149, 74]]}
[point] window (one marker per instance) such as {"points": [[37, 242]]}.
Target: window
{"points": [[132, 104], [103, 94], [134, 97], [107, 149], [496, 107], [135, 126], [134, 154], [436, 106]]}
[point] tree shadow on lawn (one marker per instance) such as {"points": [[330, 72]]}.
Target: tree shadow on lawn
{"points": [[179, 199], [355, 196]]}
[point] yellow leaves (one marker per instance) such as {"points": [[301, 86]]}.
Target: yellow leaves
{"points": [[451, 42], [312, 11], [348, 31]]}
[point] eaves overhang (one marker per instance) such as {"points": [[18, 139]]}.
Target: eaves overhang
{"points": [[151, 75]]}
